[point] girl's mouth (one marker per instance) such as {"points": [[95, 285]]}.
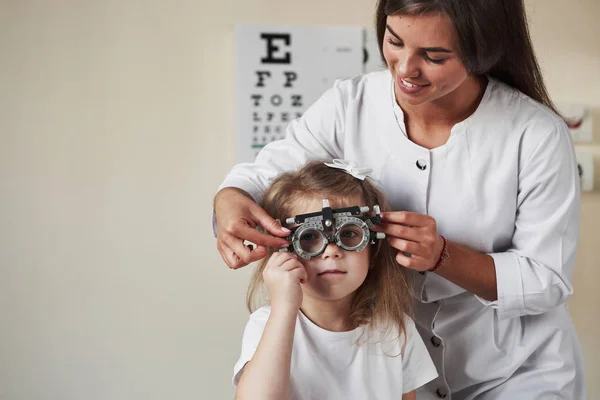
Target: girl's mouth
{"points": [[331, 272]]}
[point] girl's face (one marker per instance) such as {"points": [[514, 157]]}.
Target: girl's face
{"points": [[335, 274], [422, 55]]}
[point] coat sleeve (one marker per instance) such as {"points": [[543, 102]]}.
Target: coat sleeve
{"points": [[534, 274], [318, 134]]}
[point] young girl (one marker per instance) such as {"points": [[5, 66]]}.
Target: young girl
{"points": [[337, 326]]}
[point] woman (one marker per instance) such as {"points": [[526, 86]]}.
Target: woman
{"points": [[460, 133]]}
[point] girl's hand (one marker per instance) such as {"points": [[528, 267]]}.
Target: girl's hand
{"points": [[237, 218], [283, 276], [415, 235]]}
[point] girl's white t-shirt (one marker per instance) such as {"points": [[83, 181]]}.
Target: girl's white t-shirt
{"points": [[332, 365]]}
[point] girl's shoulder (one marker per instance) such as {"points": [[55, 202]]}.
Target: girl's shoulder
{"points": [[261, 314], [392, 333]]}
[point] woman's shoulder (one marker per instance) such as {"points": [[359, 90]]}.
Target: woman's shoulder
{"points": [[511, 104], [517, 120]]}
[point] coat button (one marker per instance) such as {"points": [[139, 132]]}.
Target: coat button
{"points": [[421, 164], [441, 393], [435, 341]]}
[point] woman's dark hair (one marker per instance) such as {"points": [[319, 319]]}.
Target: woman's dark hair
{"points": [[493, 38]]}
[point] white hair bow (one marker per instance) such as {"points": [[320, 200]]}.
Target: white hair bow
{"points": [[350, 167]]}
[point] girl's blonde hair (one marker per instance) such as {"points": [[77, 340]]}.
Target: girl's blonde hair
{"points": [[384, 300]]}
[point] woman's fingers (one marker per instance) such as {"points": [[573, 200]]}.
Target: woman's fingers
{"points": [[415, 255], [253, 235], [400, 231], [268, 223], [412, 262], [237, 216], [407, 218], [414, 235], [232, 243], [426, 237], [407, 246], [244, 227], [236, 253], [229, 256]]}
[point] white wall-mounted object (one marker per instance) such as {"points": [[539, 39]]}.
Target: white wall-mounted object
{"points": [[579, 120], [372, 57], [282, 70], [585, 164]]}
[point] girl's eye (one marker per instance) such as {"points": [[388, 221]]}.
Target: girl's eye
{"points": [[308, 237], [349, 234]]}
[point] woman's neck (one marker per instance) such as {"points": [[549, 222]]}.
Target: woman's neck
{"points": [[330, 315]]}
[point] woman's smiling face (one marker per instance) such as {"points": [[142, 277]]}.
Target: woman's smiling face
{"points": [[422, 55]]}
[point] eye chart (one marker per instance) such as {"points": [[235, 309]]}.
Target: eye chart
{"points": [[282, 70]]}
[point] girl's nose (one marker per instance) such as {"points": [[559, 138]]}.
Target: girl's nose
{"points": [[332, 250]]}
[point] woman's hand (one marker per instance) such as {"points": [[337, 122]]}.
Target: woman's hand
{"points": [[415, 235], [237, 218], [283, 276]]}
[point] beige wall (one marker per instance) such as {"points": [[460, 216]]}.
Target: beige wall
{"points": [[116, 124]]}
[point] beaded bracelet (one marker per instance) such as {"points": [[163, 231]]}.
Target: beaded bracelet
{"points": [[443, 256]]}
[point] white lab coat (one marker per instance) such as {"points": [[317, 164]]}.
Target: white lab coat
{"points": [[506, 184]]}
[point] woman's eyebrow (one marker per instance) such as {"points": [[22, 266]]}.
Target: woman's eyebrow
{"points": [[425, 49]]}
